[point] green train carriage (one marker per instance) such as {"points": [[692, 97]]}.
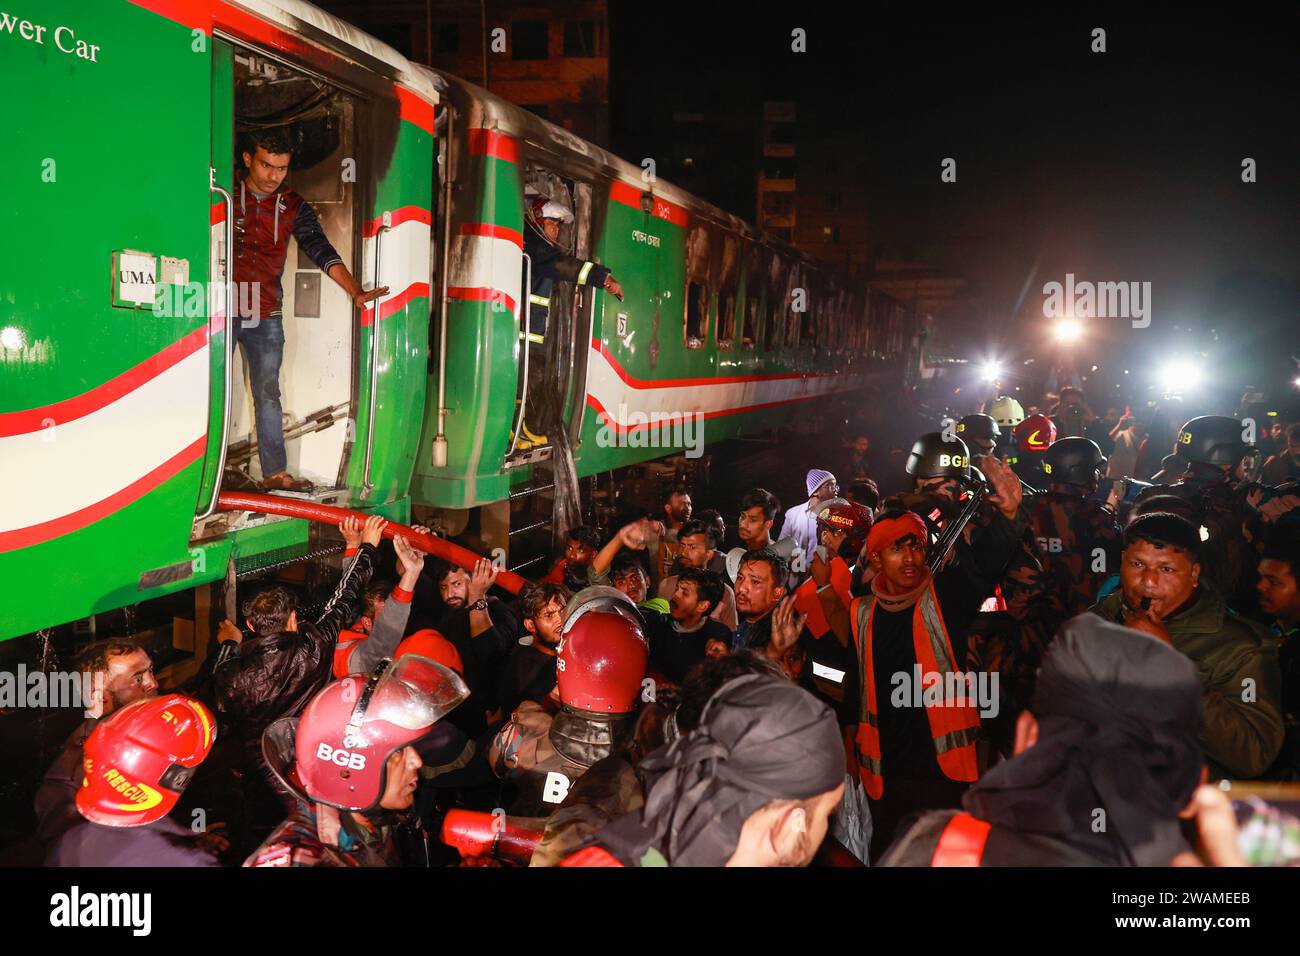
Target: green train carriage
{"points": [[122, 413]]}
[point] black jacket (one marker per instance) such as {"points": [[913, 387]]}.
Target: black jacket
{"points": [[275, 676], [550, 265]]}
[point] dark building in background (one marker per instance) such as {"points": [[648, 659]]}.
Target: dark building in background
{"points": [[551, 59]]}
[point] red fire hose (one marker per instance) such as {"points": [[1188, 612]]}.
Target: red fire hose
{"points": [[328, 514]]}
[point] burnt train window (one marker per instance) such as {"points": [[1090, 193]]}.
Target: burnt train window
{"points": [[748, 334], [726, 320], [772, 331], [697, 311]]}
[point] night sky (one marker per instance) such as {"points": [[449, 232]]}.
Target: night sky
{"points": [[1115, 166]]}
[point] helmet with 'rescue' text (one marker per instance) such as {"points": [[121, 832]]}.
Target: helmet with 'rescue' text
{"points": [[139, 759], [853, 519]]}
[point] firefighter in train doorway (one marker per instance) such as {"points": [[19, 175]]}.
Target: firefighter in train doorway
{"points": [[545, 219]]}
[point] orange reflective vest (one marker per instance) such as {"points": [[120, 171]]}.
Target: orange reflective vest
{"points": [[954, 723], [806, 600]]}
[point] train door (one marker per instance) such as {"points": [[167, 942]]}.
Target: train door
{"points": [[300, 417], [555, 320]]}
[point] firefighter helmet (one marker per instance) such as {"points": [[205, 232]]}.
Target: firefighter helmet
{"points": [[603, 653], [840, 514], [1007, 412], [1036, 433], [139, 759]]}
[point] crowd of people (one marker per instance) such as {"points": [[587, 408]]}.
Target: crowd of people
{"points": [[1038, 619]]}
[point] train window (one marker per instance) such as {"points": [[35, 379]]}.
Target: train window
{"points": [[749, 333], [697, 289], [697, 314], [808, 320], [728, 281], [726, 320], [772, 331]]}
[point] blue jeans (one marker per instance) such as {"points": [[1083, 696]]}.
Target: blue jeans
{"points": [[263, 344]]}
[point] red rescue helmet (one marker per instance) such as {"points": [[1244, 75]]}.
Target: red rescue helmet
{"points": [[337, 751], [840, 514], [139, 759], [603, 653], [431, 644], [1036, 433]]}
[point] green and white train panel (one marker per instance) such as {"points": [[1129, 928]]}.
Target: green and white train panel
{"points": [[635, 366], [112, 373]]}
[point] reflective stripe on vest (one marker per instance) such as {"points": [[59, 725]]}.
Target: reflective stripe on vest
{"points": [[583, 272], [962, 842], [541, 300], [954, 727], [533, 337]]}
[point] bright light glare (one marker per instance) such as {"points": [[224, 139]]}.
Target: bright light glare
{"points": [[1068, 331], [991, 371], [1180, 376], [11, 338]]}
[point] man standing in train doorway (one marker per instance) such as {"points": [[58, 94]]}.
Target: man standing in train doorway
{"points": [[266, 214], [545, 219]]}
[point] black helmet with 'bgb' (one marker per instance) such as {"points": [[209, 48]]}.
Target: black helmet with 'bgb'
{"points": [[1074, 461], [1213, 440], [934, 456]]}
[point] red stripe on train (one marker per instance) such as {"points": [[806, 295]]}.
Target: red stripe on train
{"points": [[479, 294], [644, 383], [488, 142], [396, 303], [607, 419], [414, 109], [400, 215], [67, 524], [621, 192], [495, 231], [70, 409]]}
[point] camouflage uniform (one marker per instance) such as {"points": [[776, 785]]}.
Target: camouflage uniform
{"points": [[1079, 543]]}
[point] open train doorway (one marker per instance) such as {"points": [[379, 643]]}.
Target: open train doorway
{"points": [[555, 315], [292, 376]]}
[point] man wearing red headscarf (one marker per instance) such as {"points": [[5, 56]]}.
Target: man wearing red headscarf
{"points": [[917, 718]]}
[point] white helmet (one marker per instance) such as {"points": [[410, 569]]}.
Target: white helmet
{"points": [[1006, 411]]}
